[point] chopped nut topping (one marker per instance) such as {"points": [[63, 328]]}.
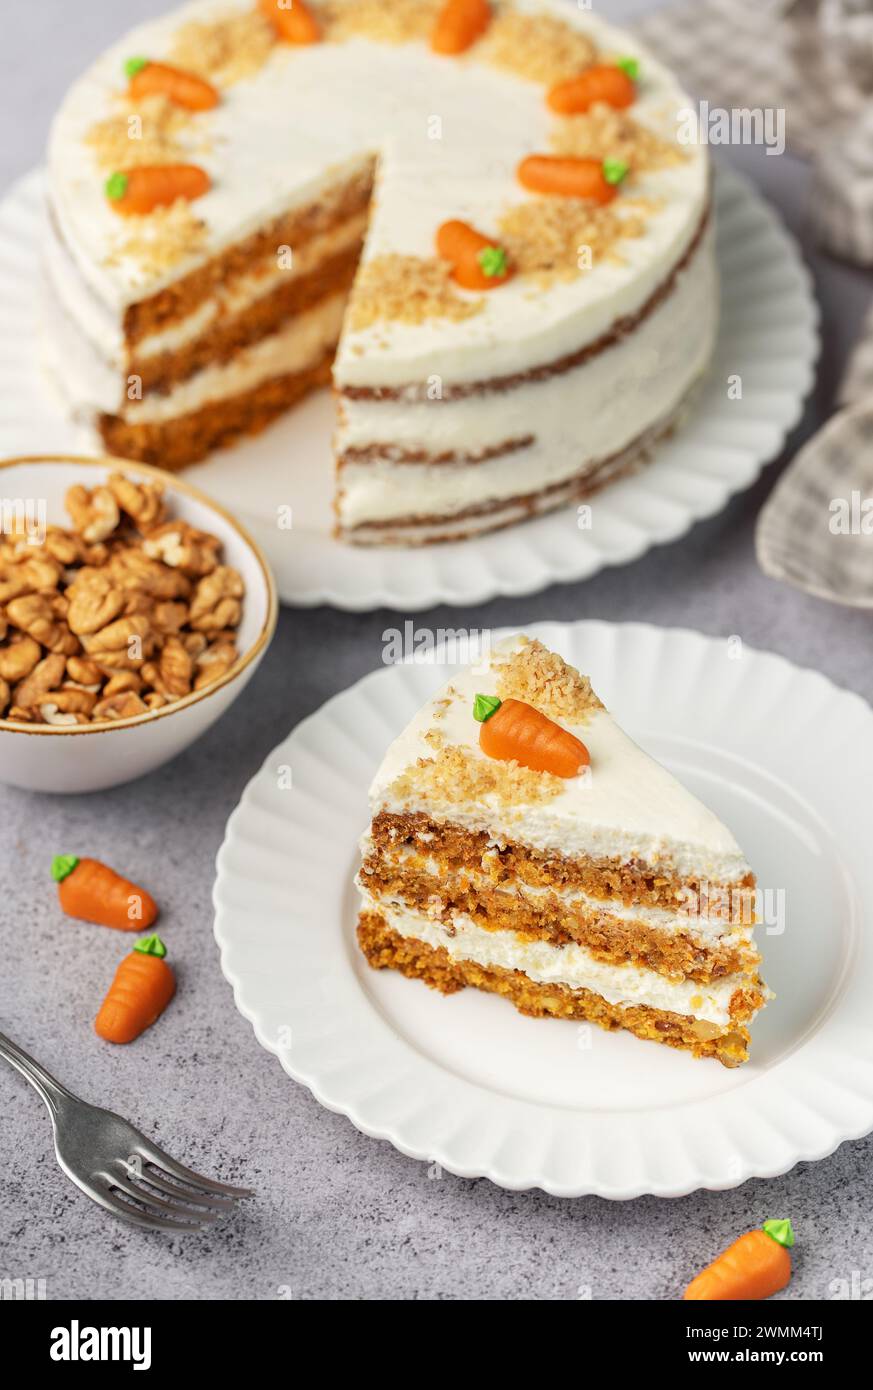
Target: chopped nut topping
{"points": [[384, 21], [604, 133], [407, 289], [561, 238], [155, 133], [457, 774], [225, 49], [538, 47], [160, 240], [547, 681]]}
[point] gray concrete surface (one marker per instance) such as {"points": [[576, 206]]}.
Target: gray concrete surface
{"points": [[339, 1215]]}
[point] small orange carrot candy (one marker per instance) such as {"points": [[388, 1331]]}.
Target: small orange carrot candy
{"points": [[477, 263], [459, 24], [568, 177], [143, 986], [754, 1267], [90, 891], [514, 731], [135, 192], [292, 19], [181, 87], [612, 85]]}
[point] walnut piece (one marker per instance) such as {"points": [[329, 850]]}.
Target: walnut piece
{"points": [[95, 513], [19, 658], [46, 676], [143, 502]]}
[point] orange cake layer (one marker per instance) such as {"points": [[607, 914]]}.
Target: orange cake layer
{"points": [[293, 229], [388, 950], [629, 882], [224, 338], [187, 438], [548, 917]]}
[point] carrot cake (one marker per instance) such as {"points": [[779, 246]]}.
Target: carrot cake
{"points": [[516, 315], [521, 843]]}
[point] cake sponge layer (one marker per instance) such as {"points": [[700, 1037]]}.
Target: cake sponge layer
{"points": [[386, 949]]}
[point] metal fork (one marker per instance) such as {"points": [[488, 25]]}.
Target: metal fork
{"points": [[118, 1166]]}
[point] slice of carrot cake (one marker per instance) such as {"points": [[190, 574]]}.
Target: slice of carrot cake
{"points": [[523, 844]]}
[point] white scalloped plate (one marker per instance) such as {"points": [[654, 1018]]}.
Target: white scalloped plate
{"points": [[782, 755], [768, 336]]}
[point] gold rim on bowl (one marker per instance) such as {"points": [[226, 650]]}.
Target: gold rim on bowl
{"points": [[173, 483]]}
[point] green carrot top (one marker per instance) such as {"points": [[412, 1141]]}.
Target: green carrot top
{"points": [[151, 946], [781, 1231], [614, 170], [484, 706]]}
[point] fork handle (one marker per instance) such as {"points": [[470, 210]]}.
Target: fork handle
{"points": [[52, 1092]]}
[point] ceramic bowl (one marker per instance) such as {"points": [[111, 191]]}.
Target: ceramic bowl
{"points": [[88, 758]]}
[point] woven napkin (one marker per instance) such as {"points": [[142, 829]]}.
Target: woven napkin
{"points": [[814, 60]]}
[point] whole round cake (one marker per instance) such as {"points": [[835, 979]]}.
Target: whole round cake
{"points": [[478, 220]]}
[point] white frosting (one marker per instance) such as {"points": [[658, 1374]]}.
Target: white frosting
{"points": [[570, 965], [578, 417], [628, 806]]}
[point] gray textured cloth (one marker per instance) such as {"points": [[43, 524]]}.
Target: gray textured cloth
{"points": [[813, 60]]}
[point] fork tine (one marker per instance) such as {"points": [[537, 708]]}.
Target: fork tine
{"points": [[127, 1212], [151, 1199], [152, 1154], [197, 1199]]}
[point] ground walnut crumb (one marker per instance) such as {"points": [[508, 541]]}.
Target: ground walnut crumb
{"points": [[155, 133], [456, 775], [384, 21], [226, 49], [539, 47], [407, 289], [160, 240], [561, 238], [604, 133], [547, 681]]}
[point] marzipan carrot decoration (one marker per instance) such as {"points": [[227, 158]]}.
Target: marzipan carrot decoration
{"points": [[160, 79], [514, 731], [134, 192], [612, 85], [143, 986], [292, 19], [459, 24], [477, 263], [595, 179], [90, 891], [754, 1267]]}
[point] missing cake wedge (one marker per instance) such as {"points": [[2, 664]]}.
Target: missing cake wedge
{"points": [[523, 844]]}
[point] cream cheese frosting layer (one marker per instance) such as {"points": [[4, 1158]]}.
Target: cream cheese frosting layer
{"points": [[571, 965], [628, 806], [449, 135], [578, 417]]}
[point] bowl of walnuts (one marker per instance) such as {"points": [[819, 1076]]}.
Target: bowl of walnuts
{"points": [[133, 612]]}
